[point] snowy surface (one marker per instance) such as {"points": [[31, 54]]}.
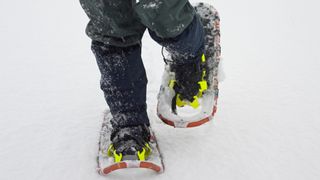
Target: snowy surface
{"points": [[267, 125]]}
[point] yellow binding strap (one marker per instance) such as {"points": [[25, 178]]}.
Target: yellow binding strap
{"points": [[144, 153], [110, 150], [203, 58], [117, 157], [172, 83], [203, 87], [141, 155], [195, 103]]}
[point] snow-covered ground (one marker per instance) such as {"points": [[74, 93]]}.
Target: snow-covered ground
{"points": [[267, 125]]}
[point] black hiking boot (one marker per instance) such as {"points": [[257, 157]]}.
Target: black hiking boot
{"points": [[130, 143], [189, 82]]}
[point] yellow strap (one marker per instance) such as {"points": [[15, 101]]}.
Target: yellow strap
{"points": [[141, 155], [110, 150], [145, 153], [149, 150], [203, 85], [117, 157], [203, 58], [172, 83], [195, 103], [180, 102], [203, 74]]}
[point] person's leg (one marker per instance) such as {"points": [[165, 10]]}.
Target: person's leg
{"points": [[186, 45], [167, 18], [113, 22], [123, 81], [174, 25], [186, 50], [116, 32]]}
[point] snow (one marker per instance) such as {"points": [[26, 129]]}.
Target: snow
{"points": [[152, 5], [266, 127]]}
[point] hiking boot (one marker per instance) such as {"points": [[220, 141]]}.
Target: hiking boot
{"points": [[189, 81], [130, 143]]}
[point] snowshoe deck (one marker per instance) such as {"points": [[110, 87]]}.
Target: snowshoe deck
{"points": [[107, 164], [186, 117]]}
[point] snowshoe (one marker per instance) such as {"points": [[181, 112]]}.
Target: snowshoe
{"points": [[188, 96], [134, 147]]}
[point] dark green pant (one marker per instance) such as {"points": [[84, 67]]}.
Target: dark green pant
{"points": [[123, 22]]}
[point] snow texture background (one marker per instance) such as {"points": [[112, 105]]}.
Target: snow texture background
{"points": [[267, 126]]}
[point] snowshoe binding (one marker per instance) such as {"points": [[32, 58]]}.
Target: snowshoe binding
{"points": [[131, 143]]}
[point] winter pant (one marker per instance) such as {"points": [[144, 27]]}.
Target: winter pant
{"points": [[123, 77], [123, 81], [123, 22]]}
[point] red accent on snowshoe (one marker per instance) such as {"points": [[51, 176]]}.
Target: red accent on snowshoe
{"points": [[191, 124], [214, 110], [123, 165], [198, 123], [170, 123], [114, 167], [150, 165]]}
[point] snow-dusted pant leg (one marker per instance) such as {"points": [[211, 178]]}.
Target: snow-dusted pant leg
{"points": [[185, 46], [113, 22], [123, 81], [167, 18]]}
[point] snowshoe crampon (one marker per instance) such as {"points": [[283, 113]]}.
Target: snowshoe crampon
{"points": [[108, 160], [184, 114]]}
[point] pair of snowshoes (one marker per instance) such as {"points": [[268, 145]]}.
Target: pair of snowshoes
{"points": [[178, 106]]}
